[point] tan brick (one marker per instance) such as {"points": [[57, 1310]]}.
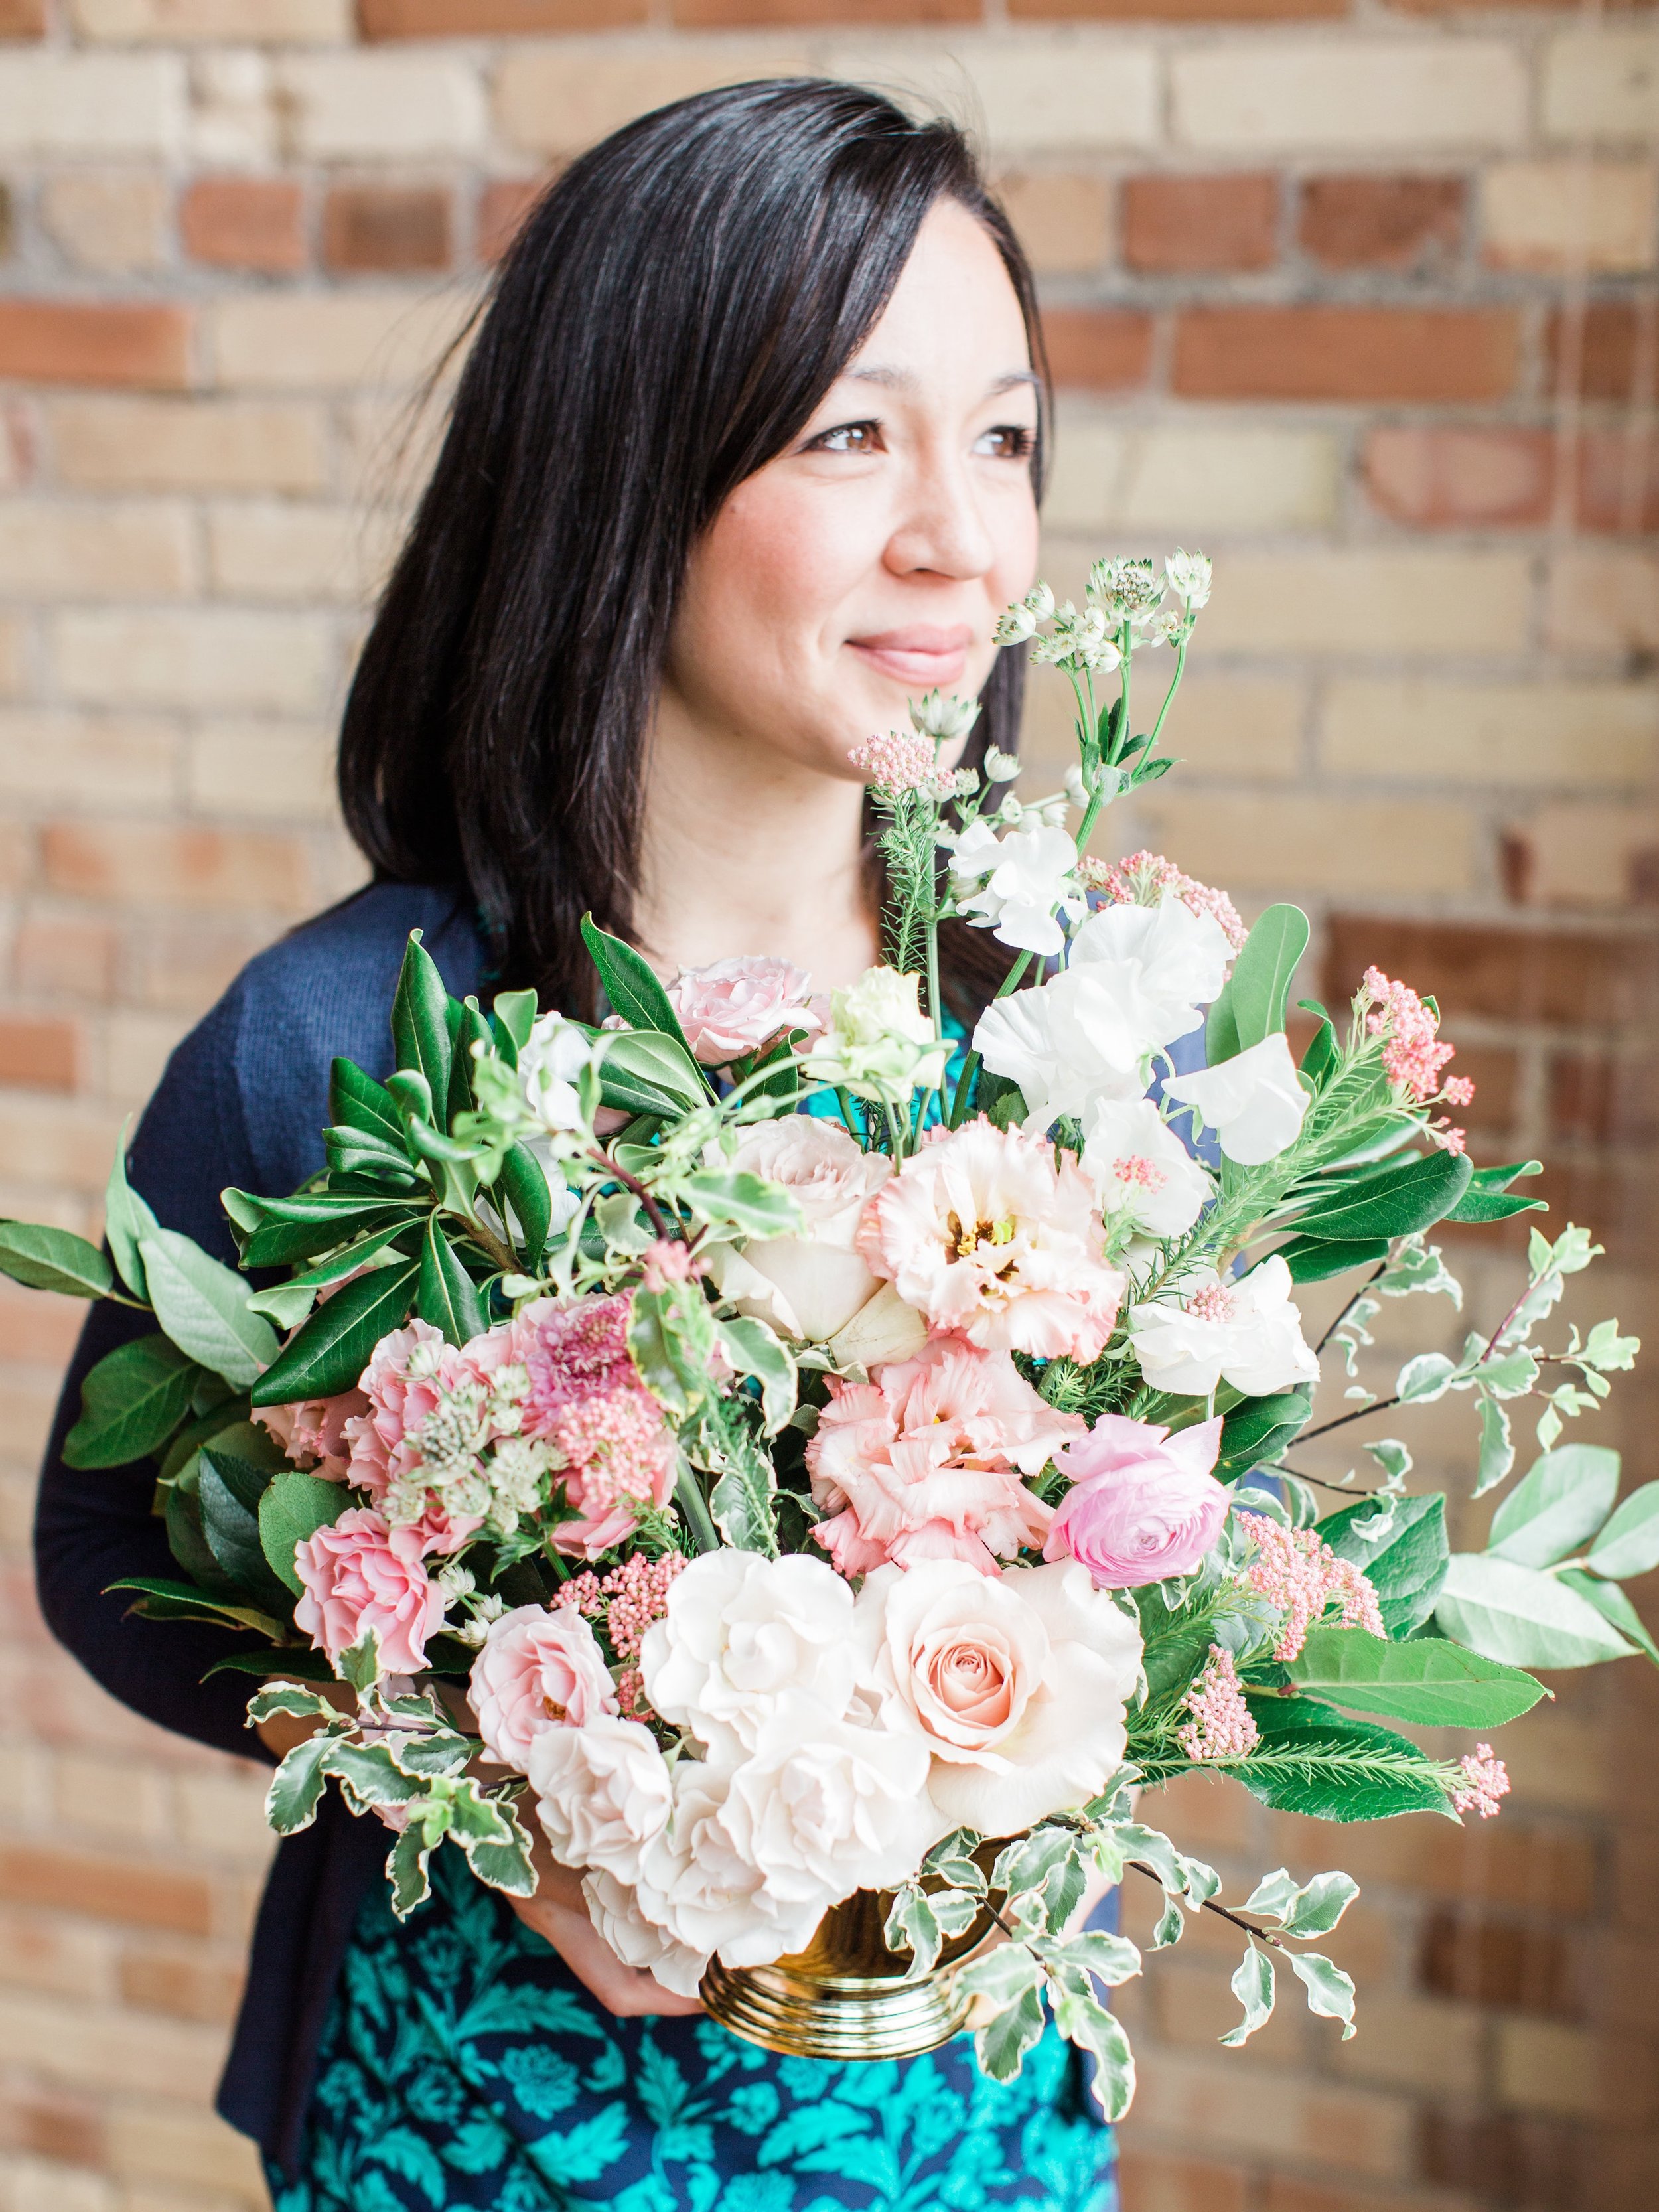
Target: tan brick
{"points": [[1417, 94], [195, 657], [134, 1052], [1152, 2181], [262, 770], [319, 341], [64, 956], [81, 760], [162, 2140], [138, 1893], [1497, 734], [1223, 2101], [164, 445], [177, 867], [235, 122], [43, 2185], [1544, 2066], [1245, 728], [1027, 92], [22, 19], [180, 1980], [1197, 477], [502, 206], [119, 1803], [1371, 602], [141, 2055], [1601, 84], [1064, 220], [280, 550], [554, 99], [245, 223], [109, 221], [476, 19], [49, 549], [1589, 853], [1556, 217], [184, 965], [1603, 602], [1410, 2043], [59, 1957], [78, 342], [1298, 840], [178, 23], [100, 103], [39, 1052], [363, 107], [14, 646], [224, 1815]]}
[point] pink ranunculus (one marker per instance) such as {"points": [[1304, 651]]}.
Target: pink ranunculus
{"points": [[734, 1007], [1143, 1504], [536, 1670], [925, 1461], [993, 1234], [359, 1577], [313, 1431]]}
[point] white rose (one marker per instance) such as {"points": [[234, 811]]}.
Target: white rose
{"points": [[1248, 1331], [602, 1792], [1017, 1684], [1140, 1168], [1253, 1101], [745, 1639], [809, 1285], [626, 1917]]}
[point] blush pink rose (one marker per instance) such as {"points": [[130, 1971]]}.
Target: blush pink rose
{"points": [[536, 1670], [1143, 1504], [359, 1577], [736, 1007], [313, 1431], [927, 1461]]}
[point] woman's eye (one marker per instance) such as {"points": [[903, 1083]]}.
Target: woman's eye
{"points": [[1008, 441], [847, 438]]}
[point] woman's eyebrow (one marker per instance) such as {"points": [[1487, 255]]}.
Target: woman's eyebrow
{"points": [[905, 379]]}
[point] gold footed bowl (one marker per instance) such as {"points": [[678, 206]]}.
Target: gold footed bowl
{"points": [[845, 1996]]}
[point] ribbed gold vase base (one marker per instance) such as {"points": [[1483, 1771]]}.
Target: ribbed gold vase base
{"points": [[845, 1996]]}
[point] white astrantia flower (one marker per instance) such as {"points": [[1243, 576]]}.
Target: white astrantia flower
{"points": [[1016, 625], [1189, 576], [1253, 1101], [1000, 767], [1012, 885], [1246, 1332], [1141, 1171], [936, 714]]}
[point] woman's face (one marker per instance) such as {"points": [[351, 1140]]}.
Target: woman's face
{"points": [[869, 562]]}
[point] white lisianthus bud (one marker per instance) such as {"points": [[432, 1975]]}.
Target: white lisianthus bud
{"points": [[880, 1044], [1041, 601], [1189, 576], [1016, 626], [936, 716], [1000, 767]]}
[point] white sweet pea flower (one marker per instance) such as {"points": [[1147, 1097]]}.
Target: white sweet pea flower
{"points": [[1189, 576], [1253, 1102], [1022, 878], [1140, 1168], [1247, 1332]]}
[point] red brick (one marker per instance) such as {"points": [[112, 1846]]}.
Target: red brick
{"points": [[1597, 1099], [78, 342], [1099, 349], [158, 865], [1588, 978], [1286, 2194], [1200, 222], [173, 1980], [502, 206], [1503, 2158], [1346, 353], [53, 2125], [1150, 2182], [1441, 478], [1619, 478], [1176, 11], [1615, 355], [132, 1891], [726, 15], [244, 222], [67, 956], [40, 1051], [386, 228], [1380, 222], [1468, 1954], [22, 19], [477, 19]]}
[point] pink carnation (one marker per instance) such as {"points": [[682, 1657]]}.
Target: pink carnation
{"points": [[1143, 1505], [735, 1007], [536, 1670], [382, 1449], [362, 1577], [992, 1236], [589, 1401], [925, 1461], [313, 1431]]}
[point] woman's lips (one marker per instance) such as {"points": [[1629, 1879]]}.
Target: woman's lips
{"points": [[924, 654]]}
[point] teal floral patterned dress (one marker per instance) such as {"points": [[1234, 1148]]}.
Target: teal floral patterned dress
{"points": [[464, 2065]]}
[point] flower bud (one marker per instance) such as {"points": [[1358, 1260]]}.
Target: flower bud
{"points": [[1000, 767]]}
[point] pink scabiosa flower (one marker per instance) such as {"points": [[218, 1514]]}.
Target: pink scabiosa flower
{"points": [[925, 1461], [1220, 1727], [735, 1007], [362, 1577], [1485, 1781], [994, 1238], [313, 1431], [1301, 1577], [536, 1670], [589, 1402], [1143, 1505]]}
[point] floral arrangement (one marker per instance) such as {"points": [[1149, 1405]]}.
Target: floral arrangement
{"points": [[782, 1447]]}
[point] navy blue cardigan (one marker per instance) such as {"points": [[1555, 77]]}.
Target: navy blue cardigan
{"points": [[244, 1101]]}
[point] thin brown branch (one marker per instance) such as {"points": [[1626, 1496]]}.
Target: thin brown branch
{"points": [[1209, 1905], [1343, 1419], [1380, 1268], [633, 1183]]}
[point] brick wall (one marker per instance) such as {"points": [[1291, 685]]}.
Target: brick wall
{"points": [[1361, 297]]}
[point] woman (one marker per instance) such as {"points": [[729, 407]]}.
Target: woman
{"points": [[745, 457]]}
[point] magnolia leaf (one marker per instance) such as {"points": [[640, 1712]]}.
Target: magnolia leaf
{"points": [[420, 1020], [126, 1219], [446, 1296], [294, 1508], [1521, 1616], [1425, 1679], [130, 1403], [1557, 1507], [631, 985], [333, 1348], [1252, 1003], [202, 1305], [1406, 1565], [53, 1260], [1330, 1991], [1253, 1985], [1629, 1545], [1399, 1199]]}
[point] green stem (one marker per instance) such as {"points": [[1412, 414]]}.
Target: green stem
{"points": [[687, 1496], [1175, 685], [843, 1100], [894, 1132]]}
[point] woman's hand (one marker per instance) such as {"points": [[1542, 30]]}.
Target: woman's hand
{"points": [[558, 1914]]}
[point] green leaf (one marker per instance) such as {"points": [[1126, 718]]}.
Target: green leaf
{"points": [[1612, 1603], [296, 1788], [1253, 1985], [1330, 1991], [516, 1013], [361, 1665], [523, 1184], [1406, 1565], [1629, 1545], [468, 1027], [1260, 1432], [53, 1260], [912, 1926], [163, 1598], [1110, 1959], [1002, 1975], [1427, 1679], [1312, 1260], [308, 1666], [1484, 1199], [1321, 1763], [1557, 1507], [673, 1376], [1497, 1449], [754, 1350], [294, 1508], [741, 1500], [1312, 1908], [130, 1403], [290, 1697], [1320, 1058], [749, 1202], [405, 1868], [333, 1348], [230, 1522], [308, 1226], [420, 1019], [497, 1848], [369, 1775], [445, 1296], [1253, 1000], [1399, 1199], [1524, 1618], [126, 1219], [1425, 1378], [1088, 2025], [202, 1306], [356, 1101], [1001, 2045], [644, 1072], [630, 985]]}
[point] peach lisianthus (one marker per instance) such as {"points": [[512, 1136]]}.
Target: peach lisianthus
{"points": [[993, 1237], [926, 1461]]}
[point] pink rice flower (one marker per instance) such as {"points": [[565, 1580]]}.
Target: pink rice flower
{"points": [[313, 1431], [1301, 1576], [903, 760], [1142, 880], [362, 1577], [1457, 1090], [1221, 1727], [1486, 1780], [925, 1461], [735, 1007], [588, 1400], [1450, 1139], [1412, 1057], [995, 1237]]}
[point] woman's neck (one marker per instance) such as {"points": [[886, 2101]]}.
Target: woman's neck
{"points": [[745, 851]]}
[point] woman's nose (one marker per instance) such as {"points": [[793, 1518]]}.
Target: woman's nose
{"points": [[942, 531]]}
